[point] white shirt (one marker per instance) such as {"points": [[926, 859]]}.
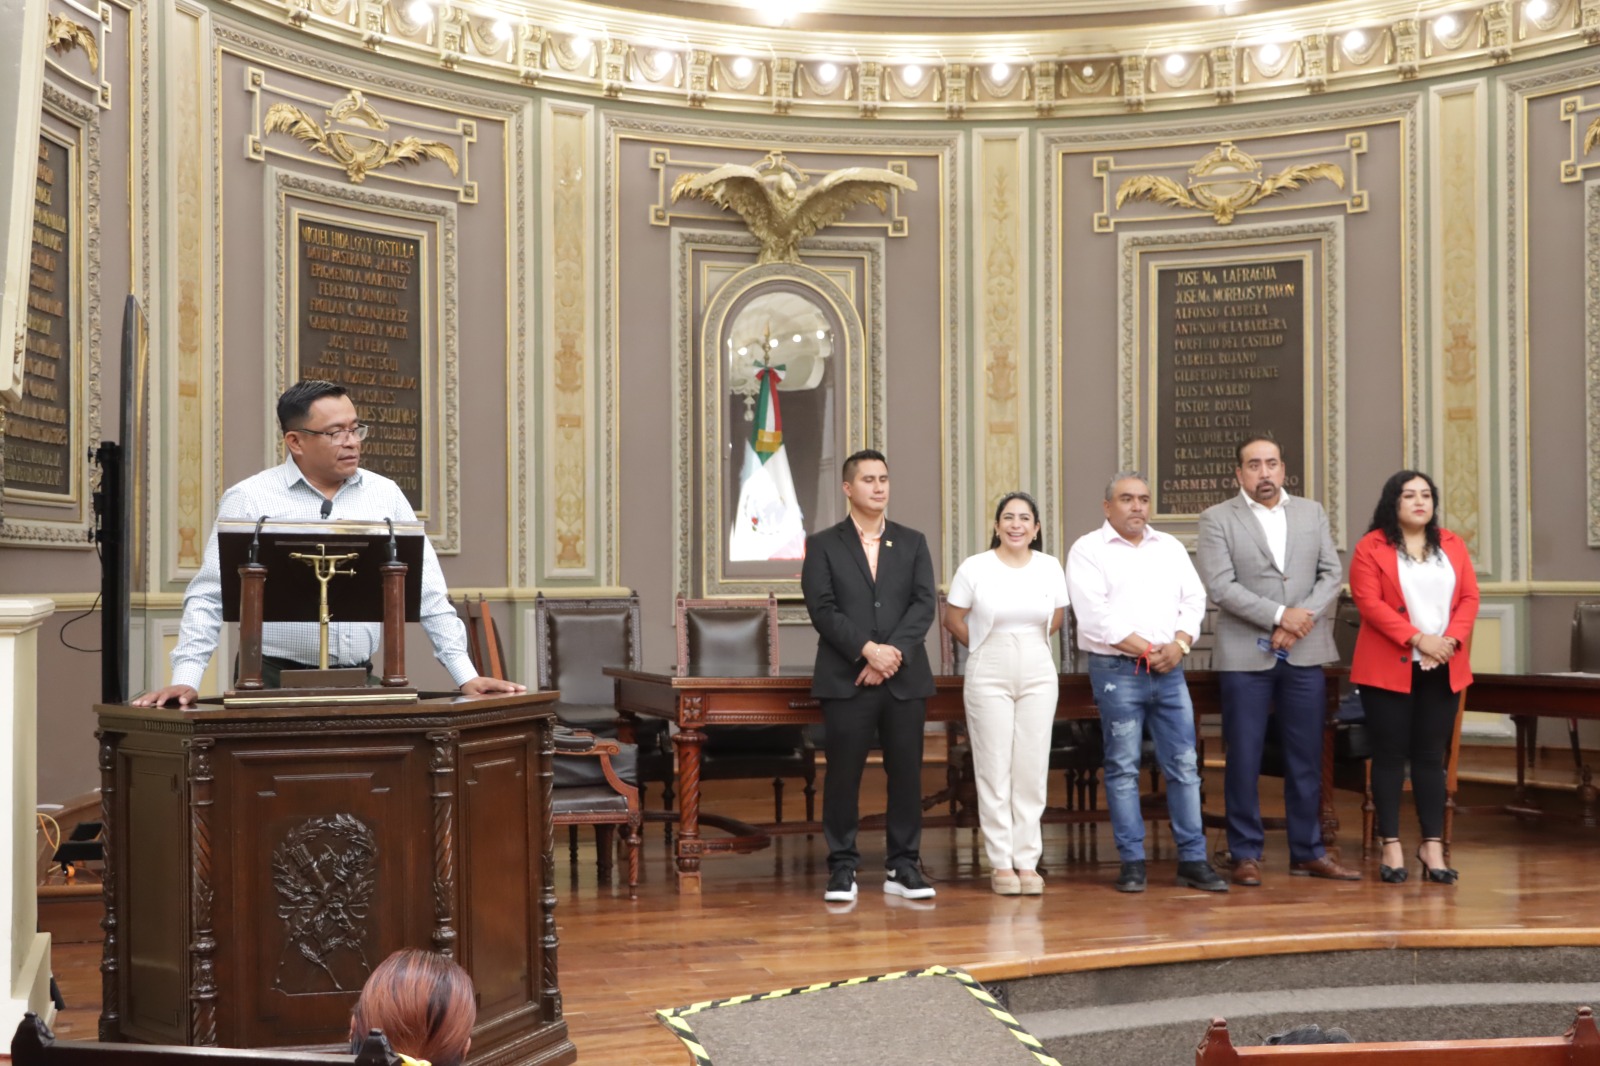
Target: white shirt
{"points": [[1007, 599], [1119, 588], [1275, 524], [282, 493], [1428, 588]]}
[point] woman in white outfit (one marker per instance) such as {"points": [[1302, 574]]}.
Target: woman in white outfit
{"points": [[1003, 605]]}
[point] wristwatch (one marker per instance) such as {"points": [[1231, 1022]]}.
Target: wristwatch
{"points": [[1183, 645]]}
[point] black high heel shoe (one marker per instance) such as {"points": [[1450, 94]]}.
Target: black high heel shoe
{"points": [[1391, 875], [1439, 875]]}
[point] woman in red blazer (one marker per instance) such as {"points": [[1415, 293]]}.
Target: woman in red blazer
{"points": [[1418, 597]]}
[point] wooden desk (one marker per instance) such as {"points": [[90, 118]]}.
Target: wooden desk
{"points": [[1528, 696], [698, 703], [260, 863]]}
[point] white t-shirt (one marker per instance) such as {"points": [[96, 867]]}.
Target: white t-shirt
{"points": [[1007, 599], [1428, 588]]}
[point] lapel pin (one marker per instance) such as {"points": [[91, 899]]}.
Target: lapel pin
{"points": [[888, 544]]}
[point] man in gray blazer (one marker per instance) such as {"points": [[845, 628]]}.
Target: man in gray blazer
{"points": [[1269, 564]]}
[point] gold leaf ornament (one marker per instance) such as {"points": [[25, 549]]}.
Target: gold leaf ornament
{"points": [[359, 153], [62, 35], [776, 205], [1226, 181], [1157, 190], [1591, 136]]}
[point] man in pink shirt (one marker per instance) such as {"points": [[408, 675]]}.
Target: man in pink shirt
{"points": [[1139, 602]]}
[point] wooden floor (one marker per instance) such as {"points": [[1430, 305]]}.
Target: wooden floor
{"points": [[761, 923]]}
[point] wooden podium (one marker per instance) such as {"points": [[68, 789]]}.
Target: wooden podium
{"points": [[260, 862]]}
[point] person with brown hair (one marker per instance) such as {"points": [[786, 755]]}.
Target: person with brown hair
{"points": [[423, 1002]]}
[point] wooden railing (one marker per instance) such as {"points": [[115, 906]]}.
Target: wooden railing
{"points": [[1579, 1046]]}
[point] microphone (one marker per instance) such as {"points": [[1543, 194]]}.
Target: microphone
{"points": [[327, 508]]}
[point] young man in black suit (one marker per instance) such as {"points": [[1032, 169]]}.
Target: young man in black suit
{"points": [[868, 584]]}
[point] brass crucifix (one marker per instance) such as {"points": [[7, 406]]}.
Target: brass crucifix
{"points": [[327, 568]]}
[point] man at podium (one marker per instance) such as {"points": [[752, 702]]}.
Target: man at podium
{"points": [[320, 478]]}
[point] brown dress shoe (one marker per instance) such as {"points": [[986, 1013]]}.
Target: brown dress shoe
{"points": [[1247, 872], [1327, 867]]}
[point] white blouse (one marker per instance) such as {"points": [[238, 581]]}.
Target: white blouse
{"points": [[1007, 599], [1428, 588]]}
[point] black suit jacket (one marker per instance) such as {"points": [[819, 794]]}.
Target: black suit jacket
{"points": [[848, 608]]}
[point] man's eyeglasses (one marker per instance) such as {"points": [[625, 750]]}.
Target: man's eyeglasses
{"points": [[357, 432]]}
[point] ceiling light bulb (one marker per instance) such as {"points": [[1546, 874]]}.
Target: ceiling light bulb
{"points": [[1000, 72], [911, 73], [1536, 9], [742, 67], [797, 338], [745, 350], [501, 29], [1445, 25], [773, 343], [826, 73], [1355, 39], [662, 61], [1270, 52], [821, 333], [1175, 63], [580, 45], [419, 11], [1088, 70]]}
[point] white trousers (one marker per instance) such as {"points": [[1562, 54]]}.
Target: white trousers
{"points": [[1010, 693]]}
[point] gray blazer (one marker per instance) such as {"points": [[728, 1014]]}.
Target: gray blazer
{"points": [[1248, 588]]}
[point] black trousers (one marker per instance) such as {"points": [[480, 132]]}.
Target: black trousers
{"points": [[852, 725], [1414, 726]]}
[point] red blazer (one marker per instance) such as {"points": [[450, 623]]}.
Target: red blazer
{"points": [[1383, 652]]}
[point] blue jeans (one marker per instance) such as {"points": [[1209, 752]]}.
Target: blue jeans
{"points": [[1128, 702]]}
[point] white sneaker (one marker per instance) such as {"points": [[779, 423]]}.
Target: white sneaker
{"points": [[907, 883], [841, 887]]}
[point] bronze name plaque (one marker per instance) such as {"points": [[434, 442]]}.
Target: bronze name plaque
{"points": [[39, 449], [359, 319], [1231, 362]]}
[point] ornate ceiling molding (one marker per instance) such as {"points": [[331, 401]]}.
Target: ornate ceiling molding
{"points": [[587, 49]]}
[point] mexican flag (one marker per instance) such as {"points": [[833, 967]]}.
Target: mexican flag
{"points": [[768, 524]]}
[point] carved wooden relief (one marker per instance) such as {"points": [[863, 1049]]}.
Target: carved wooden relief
{"points": [[325, 873]]}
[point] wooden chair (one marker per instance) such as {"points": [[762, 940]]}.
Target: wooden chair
{"points": [[574, 641], [597, 794], [604, 804], [959, 791], [1584, 659], [1578, 1046], [35, 1045], [740, 637]]}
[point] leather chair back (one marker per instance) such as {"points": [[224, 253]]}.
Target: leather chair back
{"points": [[952, 653], [1068, 636], [1586, 637], [718, 637], [1346, 624], [576, 639]]}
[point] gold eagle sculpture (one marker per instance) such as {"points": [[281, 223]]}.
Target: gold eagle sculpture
{"points": [[781, 210], [1229, 181]]}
